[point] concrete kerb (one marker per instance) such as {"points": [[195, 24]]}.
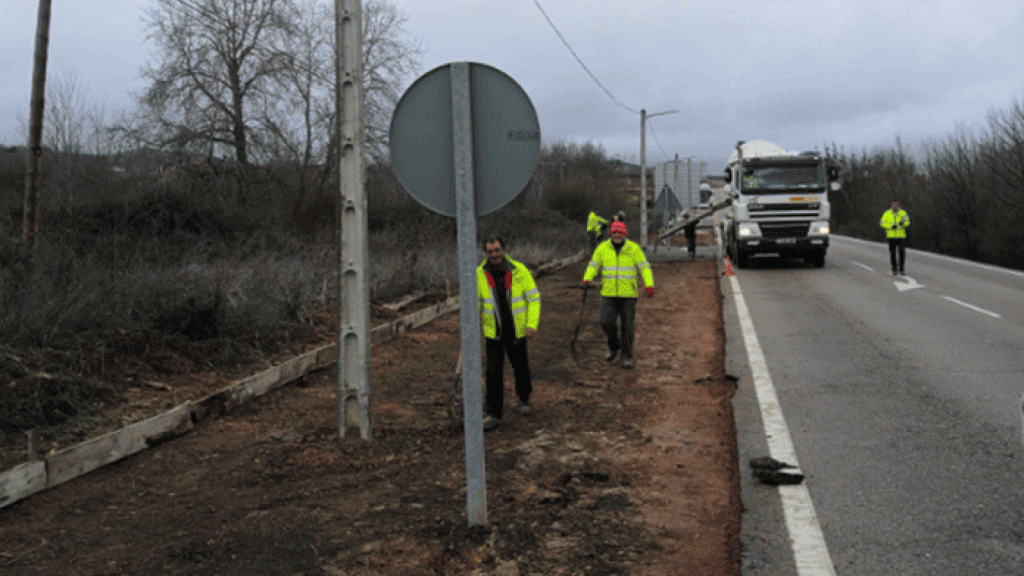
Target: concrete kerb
{"points": [[35, 476]]}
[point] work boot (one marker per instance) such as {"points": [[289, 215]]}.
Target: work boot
{"points": [[611, 355], [490, 423], [627, 363], [525, 409]]}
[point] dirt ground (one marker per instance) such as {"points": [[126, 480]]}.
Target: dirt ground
{"points": [[616, 472]]}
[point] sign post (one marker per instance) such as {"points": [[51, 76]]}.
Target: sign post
{"points": [[464, 142], [472, 409]]}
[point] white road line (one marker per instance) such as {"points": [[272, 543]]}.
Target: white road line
{"points": [[864, 266], [972, 307], [810, 553], [964, 261], [907, 284]]}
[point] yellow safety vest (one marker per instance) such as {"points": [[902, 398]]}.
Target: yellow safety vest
{"points": [[594, 222], [523, 298], [895, 224], [619, 269]]}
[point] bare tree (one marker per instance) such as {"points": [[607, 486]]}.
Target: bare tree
{"points": [[217, 57], [299, 122], [389, 56]]}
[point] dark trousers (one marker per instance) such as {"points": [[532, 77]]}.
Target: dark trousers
{"points": [[618, 319], [593, 239], [897, 249], [496, 351]]}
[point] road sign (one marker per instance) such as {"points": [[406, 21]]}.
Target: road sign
{"points": [[667, 201], [505, 139], [464, 142]]}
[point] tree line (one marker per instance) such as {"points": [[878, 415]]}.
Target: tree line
{"points": [[964, 193]]}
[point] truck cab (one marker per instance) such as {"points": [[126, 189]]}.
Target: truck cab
{"points": [[779, 203]]}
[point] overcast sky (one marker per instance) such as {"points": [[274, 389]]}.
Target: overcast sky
{"points": [[803, 74]]}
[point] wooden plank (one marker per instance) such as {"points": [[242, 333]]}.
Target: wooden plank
{"points": [[22, 481], [403, 302], [246, 389], [327, 356], [388, 332], [102, 450]]}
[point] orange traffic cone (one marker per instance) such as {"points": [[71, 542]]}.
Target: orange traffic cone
{"points": [[728, 267]]}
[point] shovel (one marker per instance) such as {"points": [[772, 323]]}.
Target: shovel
{"points": [[576, 332], [454, 404]]}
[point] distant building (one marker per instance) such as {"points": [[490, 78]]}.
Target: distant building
{"points": [[683, 177], [629, 178]]}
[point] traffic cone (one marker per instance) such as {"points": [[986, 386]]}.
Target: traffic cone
{"points": [[728, 267]]}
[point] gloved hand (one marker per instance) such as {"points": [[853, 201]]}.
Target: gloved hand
{"points": [[650, 291], [585, 284]]}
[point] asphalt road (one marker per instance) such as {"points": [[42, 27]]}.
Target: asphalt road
{"points": [[901, 397]]}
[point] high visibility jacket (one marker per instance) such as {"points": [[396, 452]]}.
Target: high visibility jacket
{"points": [[594, 222], [619, 269], [895, 224], [523, 298]]}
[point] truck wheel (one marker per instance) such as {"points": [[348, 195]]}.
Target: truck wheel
{"points": [[741, 259], [817, 259]]}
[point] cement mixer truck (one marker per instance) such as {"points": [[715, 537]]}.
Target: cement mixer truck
{"points": [[779, 203]]}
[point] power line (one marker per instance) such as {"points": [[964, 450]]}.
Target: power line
{"points": [[655, 136], [573, 52]]}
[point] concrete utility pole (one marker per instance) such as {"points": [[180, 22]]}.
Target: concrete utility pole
{"points": [[689, 183], [643, 171], [675, 171], [353, 388], [35, 128]]}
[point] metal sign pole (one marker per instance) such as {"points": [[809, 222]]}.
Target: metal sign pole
{"points": [[472, 394]]}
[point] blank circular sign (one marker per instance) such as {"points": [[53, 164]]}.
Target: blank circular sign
{"points": [[505, 139]]}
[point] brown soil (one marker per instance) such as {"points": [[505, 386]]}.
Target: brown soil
{"points": [[616, 472]]}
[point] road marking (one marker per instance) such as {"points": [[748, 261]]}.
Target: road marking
{"points": [[908, 284], [864, 266], [810, 553], [954, 259], [972, 307]]}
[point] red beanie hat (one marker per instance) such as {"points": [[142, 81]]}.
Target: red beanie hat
{"points": [[618, 227]]}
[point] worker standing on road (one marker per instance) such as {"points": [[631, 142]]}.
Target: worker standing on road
{"points": [[509, 305], [895, 222], [594, 224], [619, 261], [690, 231]]}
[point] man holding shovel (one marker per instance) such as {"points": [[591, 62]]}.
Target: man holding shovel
{"points": [[619, 261], [509, 314]]}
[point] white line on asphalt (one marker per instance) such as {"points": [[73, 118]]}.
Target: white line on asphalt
{"points": [[972, 307], [907, 283], [942, 257], [864, 266], [810, 553]]}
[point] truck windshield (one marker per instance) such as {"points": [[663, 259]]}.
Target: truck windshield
{"points": [[768, 179]]}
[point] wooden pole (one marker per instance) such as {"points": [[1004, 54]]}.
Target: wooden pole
{"points": [[35, 127]]}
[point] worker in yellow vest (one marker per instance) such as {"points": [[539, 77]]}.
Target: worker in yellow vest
{"points": [[619, 261], [594, 224], [895, 222], [509, 305]]}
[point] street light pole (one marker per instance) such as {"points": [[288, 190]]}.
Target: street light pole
{"points": [[643, 171]]}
